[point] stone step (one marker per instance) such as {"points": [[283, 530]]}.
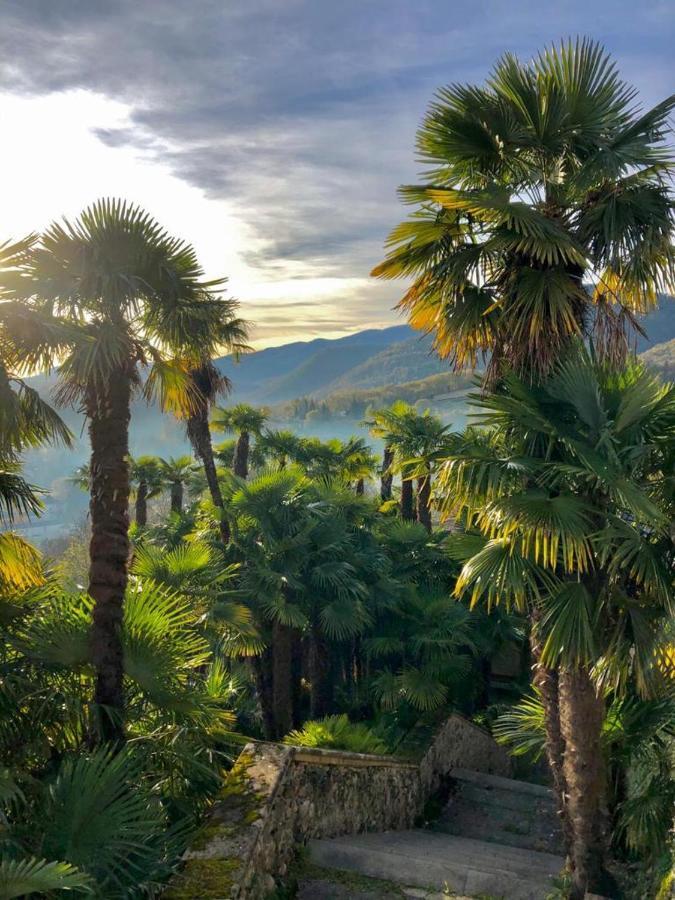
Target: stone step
{"points": [[481, 779], [501, 811], [544, 838], [434, 861]]}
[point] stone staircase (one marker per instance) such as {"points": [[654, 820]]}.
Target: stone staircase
{"points": [[495, 837]]}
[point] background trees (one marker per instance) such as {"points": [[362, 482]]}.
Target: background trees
{"points": [[244, 420]]}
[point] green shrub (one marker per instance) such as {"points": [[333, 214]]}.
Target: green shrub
{"points": [[337, 733]]}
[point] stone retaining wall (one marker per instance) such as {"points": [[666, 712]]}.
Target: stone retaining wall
{"points": [[277, 797]]}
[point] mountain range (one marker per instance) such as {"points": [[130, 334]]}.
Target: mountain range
{"points": [[367, 359], [320, 368]]}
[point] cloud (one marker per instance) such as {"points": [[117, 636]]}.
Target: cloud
{"points": [[299, 116]]}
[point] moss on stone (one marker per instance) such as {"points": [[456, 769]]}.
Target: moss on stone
{"points": [[209, 832], [203, 878], [311, 872]]}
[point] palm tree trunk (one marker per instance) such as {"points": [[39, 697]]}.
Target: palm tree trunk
{"points": [[199, 435], [108, 410], [407, 500], [262, 668], [546, 682], [424, 501], [141, 513], [386, 478], [241, 455], [177, 497], [581, 717], [320, 675], [282, 681]]}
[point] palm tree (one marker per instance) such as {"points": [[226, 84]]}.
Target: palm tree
{"points": [[545, 179], [243, 420], [574, 505], [358, 463], [230, 335], [282, 446], [146, 478], [208, 383], [125, 294], [414, 440], [386, 474], [321, 459], [174, 472], [268, 518], [391, 425]]}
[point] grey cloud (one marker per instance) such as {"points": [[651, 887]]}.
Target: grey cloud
{"points": [[299, 113]]}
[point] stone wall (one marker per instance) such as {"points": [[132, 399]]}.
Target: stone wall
{"points": [[459, 744], [278, 797]]}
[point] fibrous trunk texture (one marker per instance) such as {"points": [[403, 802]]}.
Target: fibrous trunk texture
{"points": [[107, 409], [581, 717], [407, 500], [262, 667], [546, 682], [142, 504], [386, 477], [241, 449], [177, 497], [320, 674], [199, 435], [282, 680], [424, 501]]}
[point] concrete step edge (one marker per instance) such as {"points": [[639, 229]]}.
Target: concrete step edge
{"points": [[506, 784]]}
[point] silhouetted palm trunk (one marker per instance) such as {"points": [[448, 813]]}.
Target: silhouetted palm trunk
{"points": [[282, 681], [320, 675], [107, 409], [241, 452], [360, 487], [424, 501], [177, 497], [581, 717], [141, 512], [386, 478], [407, 500], [199, 436], [262, 668]]}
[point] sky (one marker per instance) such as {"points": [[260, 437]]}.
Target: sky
{"points": [[272, 134]]}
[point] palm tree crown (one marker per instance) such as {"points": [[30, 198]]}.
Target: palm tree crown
{"points": [[544, 179]]}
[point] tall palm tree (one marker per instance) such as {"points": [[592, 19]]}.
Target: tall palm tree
{"points": [[145, 473], [391, 425], [543, 181], [244, 420], [174, 472], [126, 295], [414, 440], [208, 383], [268, 540], [574, 503], [386, 474]]}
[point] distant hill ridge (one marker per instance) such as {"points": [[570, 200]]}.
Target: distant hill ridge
{"points": [[368, 359]]}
